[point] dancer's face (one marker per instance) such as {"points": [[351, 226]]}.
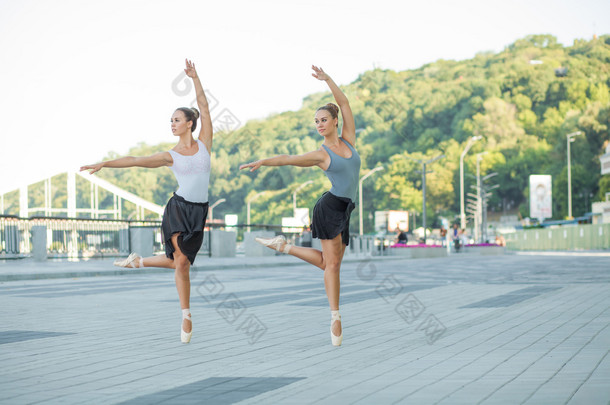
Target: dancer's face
{"points": [[179, 123], [325, 123]]}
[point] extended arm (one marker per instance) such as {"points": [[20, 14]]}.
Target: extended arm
{"points": [[157, 160], [206, 132], [315, 158], [349, 127]]}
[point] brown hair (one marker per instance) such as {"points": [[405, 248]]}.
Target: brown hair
{"points": [[191, 114], [332, 108]]}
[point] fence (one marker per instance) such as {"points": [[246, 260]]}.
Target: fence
{"points": [[580, 237], [47, 237], [70, 237]]}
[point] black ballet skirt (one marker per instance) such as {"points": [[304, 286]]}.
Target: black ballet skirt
{"points": [[188, 219], [331, 216]]}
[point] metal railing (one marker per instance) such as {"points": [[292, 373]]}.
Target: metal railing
{"points": [[14, 236], [88, 238], [71, 237], [569, 237]]}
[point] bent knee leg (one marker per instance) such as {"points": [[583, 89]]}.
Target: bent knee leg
{"points": [[182, 263]]}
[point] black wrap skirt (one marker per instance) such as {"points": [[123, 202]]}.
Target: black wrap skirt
{"points": [[188, 219], [331, 216]]}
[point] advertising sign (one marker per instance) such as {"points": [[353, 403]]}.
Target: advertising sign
{"points": [[541, 196]]}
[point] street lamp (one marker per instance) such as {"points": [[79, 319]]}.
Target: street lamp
{"points": [[360, 196], [248, 201], [424, 164], [212, 208], [479, 200], [471, 141], [294, 196], [570, 139]]}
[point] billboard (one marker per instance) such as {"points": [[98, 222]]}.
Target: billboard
{"points": [[295, 224], [388, 221], [541, 196]]}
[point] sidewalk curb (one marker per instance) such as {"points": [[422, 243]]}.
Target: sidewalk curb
{"points": [[155, 270]]}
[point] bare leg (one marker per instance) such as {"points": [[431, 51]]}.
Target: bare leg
{"points": [[310, 255], [153, 261], [329, 260], [183, 282], [333, 254], [159, 261]]}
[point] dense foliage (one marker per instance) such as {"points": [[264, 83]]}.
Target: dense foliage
{"points": [[516, 100]]}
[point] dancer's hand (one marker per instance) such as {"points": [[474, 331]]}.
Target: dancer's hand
{"points": [[92, 168], [319, 73], [190, 69], [253, 165]]}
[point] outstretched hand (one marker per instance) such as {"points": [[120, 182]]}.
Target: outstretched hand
{"points": [[92, 168], [319, 73], [253, 165], [190, 69]]}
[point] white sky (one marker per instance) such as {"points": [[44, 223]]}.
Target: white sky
{"points": [[81, 78]]}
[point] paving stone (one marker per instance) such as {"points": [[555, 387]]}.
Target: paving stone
{"points": [[462, 329]]}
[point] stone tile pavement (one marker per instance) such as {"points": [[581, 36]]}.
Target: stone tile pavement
{"points": [[509, 329]]}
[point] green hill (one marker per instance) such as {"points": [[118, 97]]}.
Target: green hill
{"points": [[515, 99]]}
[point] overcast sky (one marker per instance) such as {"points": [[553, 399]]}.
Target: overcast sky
{"points": [[81, 78]]}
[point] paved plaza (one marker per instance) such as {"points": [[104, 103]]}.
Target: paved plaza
{"points": [[465, 329]]}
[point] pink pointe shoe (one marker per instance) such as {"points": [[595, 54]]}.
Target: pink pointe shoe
{"points": [[130, 262], [336, 340], [278, 243], [184, 336]]}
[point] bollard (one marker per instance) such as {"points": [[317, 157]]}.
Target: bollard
{"points": [[39, 242], [142, 239], [254, 249], [224, 243]]}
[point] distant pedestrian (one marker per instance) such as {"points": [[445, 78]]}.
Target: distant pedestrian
{"points": [[338, 158], [456, 235], [306, 237], [186, 212], [401, 237]]}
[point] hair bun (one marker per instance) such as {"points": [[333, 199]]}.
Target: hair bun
{"points": [[334, 107], [196, 112]]}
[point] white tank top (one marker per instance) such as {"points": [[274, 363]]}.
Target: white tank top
{"points": [[193, 174]]}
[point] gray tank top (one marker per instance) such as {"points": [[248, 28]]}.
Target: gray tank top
{"points": [[344, 173]]}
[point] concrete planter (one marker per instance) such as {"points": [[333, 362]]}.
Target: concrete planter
{"points": [[418, 252], [485, 250]]}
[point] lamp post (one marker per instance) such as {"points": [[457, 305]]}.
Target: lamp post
{"points": [[479, 201], [570, 139], [212, 208], [471, 141], [361, 223], [294, 196], [248, 202], [423, 172]]}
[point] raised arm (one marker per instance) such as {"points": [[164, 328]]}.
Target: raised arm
{"points": [[206, 132], [348, 132], [315, 158], [157, 160]]}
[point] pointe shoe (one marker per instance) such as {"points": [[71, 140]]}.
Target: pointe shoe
{"points": [[186, 337], [336, 340], [129, 262], [275, 243]]}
